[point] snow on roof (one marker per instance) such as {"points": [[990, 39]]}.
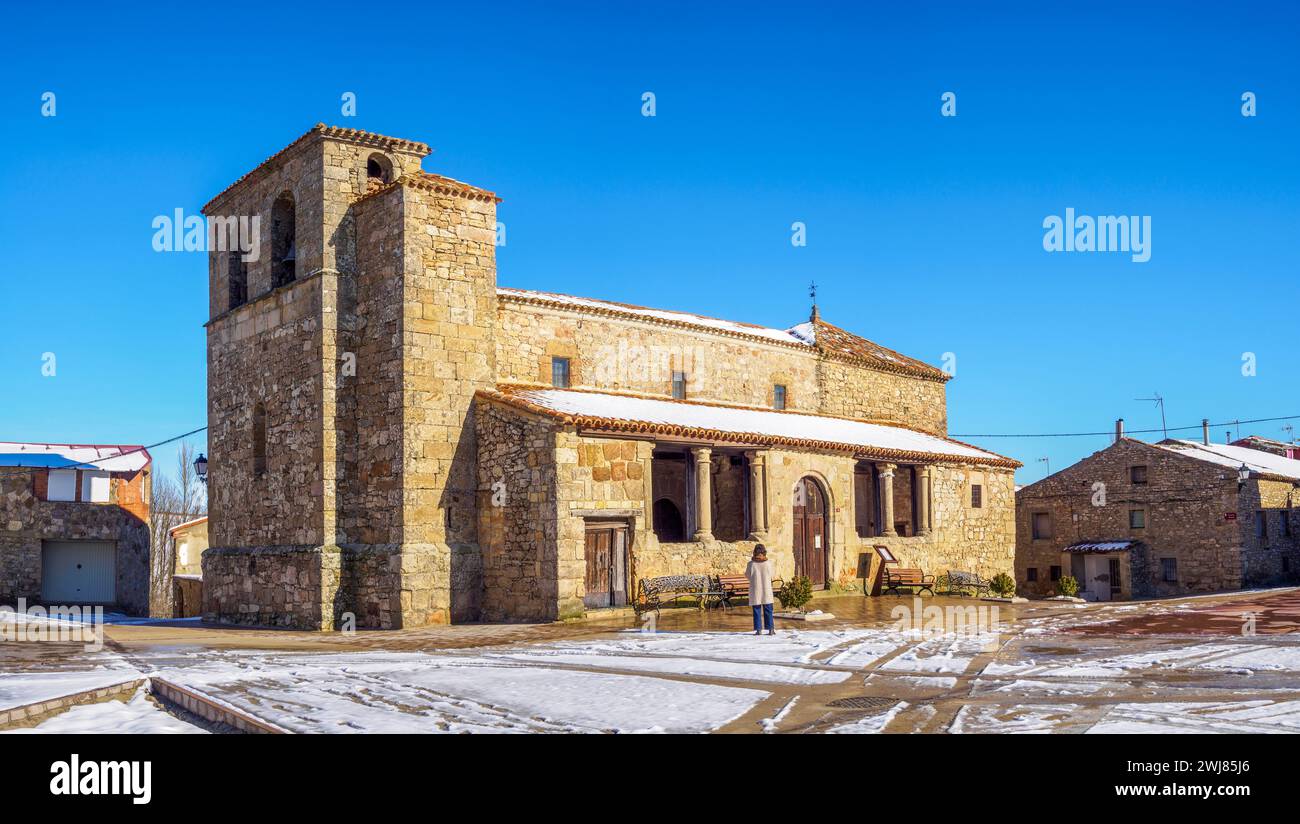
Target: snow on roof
{"points": [[1233, 457], [120, 458], [743, 425], [200, 520], [1100, 546], [735, 327]]}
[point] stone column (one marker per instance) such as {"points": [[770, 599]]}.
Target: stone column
{"points": [[703, 493], [757, 495], [923, 500], [887, 500]]}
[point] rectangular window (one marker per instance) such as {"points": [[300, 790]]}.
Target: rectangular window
{"points": [[560, 373], [1055, 572], [62, 486], [778, 397], [1169, 570], [1261, 526], [679, 385], [1031, 574], [94, 486], [1137, 519], [1286, 523], [976, 496], [1042, 525], [1138, 474]]}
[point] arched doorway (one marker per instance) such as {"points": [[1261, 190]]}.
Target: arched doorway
{"points": [[668, 525], [810, 539]]}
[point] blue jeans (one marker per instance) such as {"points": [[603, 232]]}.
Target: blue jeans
{"points": [[762, 617]]}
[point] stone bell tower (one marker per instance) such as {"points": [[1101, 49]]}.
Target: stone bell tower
{"points": [[342, 361]]}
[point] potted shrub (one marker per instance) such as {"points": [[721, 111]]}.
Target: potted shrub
{"points": [[1068, 586], [796, 593], [1003, 585]]}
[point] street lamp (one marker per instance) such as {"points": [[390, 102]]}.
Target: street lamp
{"points": [[201, 467], [1243, 475]]}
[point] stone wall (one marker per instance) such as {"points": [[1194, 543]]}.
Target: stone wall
{"points": [[271, 586], [1185, 501], [1273, 557], [26, 519], [855, 391], [518, 517], [638, 356]]}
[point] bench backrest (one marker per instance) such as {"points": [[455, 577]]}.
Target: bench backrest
{"points": [[904, 574], [734, 581], [958, 576], [676, 583]]}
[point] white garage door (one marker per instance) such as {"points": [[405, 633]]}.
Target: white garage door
{"points": [[78, 572]]}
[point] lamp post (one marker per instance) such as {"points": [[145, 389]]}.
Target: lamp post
{"points": [[201, 468], [1243, 475]]}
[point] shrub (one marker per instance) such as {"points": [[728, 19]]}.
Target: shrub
{"points": [[1068, 585], [796, 593], [1003, 585]]}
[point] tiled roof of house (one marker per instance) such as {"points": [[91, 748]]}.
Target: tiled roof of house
{"points": [[435, 183], [336, 133], [817, 335], [741, 425], [113, 458]]}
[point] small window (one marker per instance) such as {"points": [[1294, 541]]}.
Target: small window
{"points": [[1031, 574], [1137, 519], [62, 485], [259, 440], [679, 385], [1055, 573], [1261, 525], [560, 373], [95, 486], [284, 241], [1042, 525], [1169, 570], [379, 169], [778, 396], [977, 496], [1138, 474], [237, 278]]}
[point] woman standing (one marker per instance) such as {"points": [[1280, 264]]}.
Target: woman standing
{"points": [[759, 573]]}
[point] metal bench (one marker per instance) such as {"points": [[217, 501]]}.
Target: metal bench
{"points": [[914, 578], [959, 581], [653, 593]]}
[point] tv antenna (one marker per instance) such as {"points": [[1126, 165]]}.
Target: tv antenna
{"points": [[1160, 402]]}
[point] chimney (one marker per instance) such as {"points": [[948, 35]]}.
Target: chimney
{"points": [[1119, 429], [1205, 431]]}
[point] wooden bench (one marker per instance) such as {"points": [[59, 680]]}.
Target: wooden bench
{"points": [[960, 580], [737, 586], [914, 578], [653, 593]]}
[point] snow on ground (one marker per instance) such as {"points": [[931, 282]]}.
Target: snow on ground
{"points": [[786, 647], [945, 654], [699, 668], [1018, 718], [877, 645], [137, 716], [105, 669], [417, 692], [1202, 717], [869, 724]]}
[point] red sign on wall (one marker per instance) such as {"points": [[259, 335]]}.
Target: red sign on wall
{"points": [[1231, 516]]}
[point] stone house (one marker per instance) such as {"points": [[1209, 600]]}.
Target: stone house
{"points": [[395, 440], [1171, 518], [74, 525]]}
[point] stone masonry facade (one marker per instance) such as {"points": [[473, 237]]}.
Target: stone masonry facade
{"points": [[1198, 529], [362, 471], [28, 519]]}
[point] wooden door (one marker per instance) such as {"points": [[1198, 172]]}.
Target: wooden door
{"points": [[606, 577], [810, 550]]}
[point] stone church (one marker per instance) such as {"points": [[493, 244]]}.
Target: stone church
{"points": [[396, 439]]}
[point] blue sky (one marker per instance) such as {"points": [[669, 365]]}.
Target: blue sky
{"points": [[924, 232]]}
